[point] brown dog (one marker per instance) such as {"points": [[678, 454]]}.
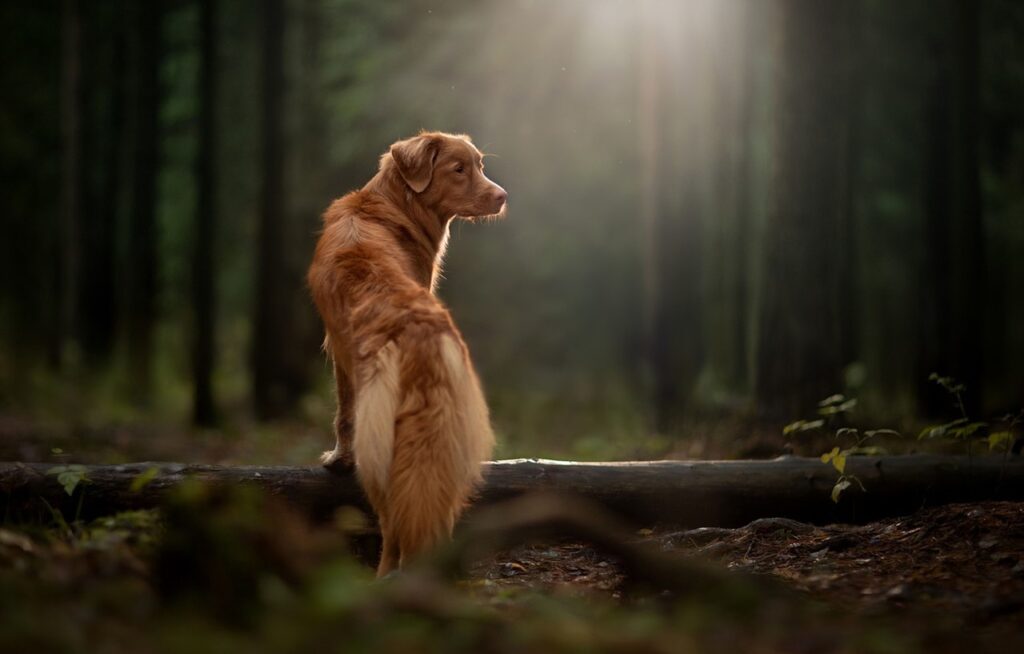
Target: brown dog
{"points": [[410, 407]]}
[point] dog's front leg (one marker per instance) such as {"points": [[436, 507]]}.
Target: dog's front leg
{"points": [[341, 455]]}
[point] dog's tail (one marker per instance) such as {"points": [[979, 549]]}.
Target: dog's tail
{"points": [[376, 408], [421, 432]]}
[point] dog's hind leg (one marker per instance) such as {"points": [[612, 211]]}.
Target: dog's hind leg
{"points": [[341, 456], [389, 552]]}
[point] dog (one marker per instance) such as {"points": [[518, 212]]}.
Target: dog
{"points": [[411, 412]]}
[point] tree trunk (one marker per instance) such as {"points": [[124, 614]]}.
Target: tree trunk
{"points": [[969, 308], [799, 353], [142, 239], [847, 250], [203, 276], [271, 393], [689, 493], [655, 366], [71, 183], [748, 28], [953, 285], [97, 304], [670, 214]]}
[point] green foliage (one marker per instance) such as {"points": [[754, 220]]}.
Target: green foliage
{"points": [[143, 478], [961, 429], [69, 476], [803, 425], [1001, 439], [1006, 437], [836, 405], [834, 409], [837, 458]]}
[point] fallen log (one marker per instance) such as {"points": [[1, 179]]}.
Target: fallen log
{"points": [[685, 493]]}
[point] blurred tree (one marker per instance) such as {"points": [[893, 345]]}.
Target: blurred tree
{"points": [[953, 297], [97, 301], [271, 393], [689, 199], [747, 48], [203, 272], [799, 352], [673, 149], [141, 303], [847, 247], [71, 183], [971, 289]]}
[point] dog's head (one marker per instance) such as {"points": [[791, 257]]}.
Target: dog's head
{"points": [[446, 174]]}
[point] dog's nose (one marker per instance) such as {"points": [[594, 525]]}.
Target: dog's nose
{"points": [[500, 196]]}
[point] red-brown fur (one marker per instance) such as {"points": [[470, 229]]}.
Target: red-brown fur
{"points": [[410, 410]]}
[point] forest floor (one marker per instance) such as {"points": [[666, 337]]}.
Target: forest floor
{"points": [[212, 573], [961, 563]]}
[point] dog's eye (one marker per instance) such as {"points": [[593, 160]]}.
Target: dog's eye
{"points": [[460, 169]]}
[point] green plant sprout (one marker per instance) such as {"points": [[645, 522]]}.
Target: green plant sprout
{"points": [[1004, 438], [69, 476], [832, 409], [959, 429]]}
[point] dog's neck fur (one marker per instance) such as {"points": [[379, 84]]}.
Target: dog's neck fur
{"points": [[427, 229]]}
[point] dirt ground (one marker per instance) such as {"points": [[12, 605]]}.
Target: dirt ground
{"points": [[962, 563]]}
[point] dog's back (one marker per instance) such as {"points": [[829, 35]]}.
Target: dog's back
{"points": [[421, 426]]}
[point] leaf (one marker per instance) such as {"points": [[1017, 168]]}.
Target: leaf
{"points": [[832, 399], [834, 409], [69, 476], [871, 433], [940, 431], [1000, 438], [948, 383], [846, 431], [839, 462], [838, 489], [802, 425], [825, 458], [967, 431], [143, 478]]}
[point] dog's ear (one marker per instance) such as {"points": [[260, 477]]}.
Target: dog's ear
{"points": [[415, 159]]}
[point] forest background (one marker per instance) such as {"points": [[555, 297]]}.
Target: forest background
{"points": [[721, 212]]}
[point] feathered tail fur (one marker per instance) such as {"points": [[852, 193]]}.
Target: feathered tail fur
{"points": [[421, 433]]}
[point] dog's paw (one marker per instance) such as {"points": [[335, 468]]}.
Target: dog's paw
{"points": [[337, 460]]}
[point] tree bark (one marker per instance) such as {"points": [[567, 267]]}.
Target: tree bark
{"points": [[687, 493]]}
